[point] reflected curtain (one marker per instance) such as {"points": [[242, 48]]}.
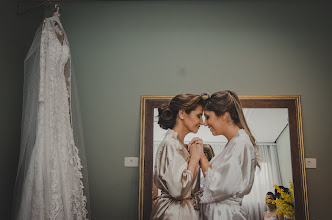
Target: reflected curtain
{"points": [[266, 177]]}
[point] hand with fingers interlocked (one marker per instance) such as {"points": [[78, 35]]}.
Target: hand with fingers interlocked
{"points": [[195, 147]]}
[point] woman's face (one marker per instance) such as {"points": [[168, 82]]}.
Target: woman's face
{"points": [[268, 200], [193, 120], [215, 123]]}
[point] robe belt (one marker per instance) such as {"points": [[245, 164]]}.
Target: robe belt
{"points": [[231, 202], [166, 195]]}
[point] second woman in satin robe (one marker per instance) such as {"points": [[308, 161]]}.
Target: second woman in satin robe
{"points": [[230, 175]]}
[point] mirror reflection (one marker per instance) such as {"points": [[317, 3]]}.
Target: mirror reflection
{"points": [[270, 127]]}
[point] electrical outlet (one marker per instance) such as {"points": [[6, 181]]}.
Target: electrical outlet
{"points": [[131, 162], [310, 163]]}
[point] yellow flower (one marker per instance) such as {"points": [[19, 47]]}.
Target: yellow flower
{"points": [[285, 203]]}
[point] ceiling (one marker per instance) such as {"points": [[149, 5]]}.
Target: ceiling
{"points": [[266, 124]]}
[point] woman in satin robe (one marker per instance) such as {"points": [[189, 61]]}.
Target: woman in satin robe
{"points": [[176, 171], [271, 214], [230, 175]]}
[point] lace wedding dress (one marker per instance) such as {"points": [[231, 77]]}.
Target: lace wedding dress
{"points": [[49, 181]]}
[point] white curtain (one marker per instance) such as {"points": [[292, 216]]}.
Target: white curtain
{"points": [[266, 177]]}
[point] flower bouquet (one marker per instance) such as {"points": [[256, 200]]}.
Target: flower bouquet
{"points": [[285, 202]]}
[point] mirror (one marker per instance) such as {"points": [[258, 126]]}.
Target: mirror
{"points": [[275, 122]]}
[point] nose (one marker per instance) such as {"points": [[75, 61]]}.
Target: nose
{"points": [[201, 122], [205, 123]]}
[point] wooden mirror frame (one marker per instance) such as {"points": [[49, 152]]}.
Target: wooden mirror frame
{"points": [[292, 103]]}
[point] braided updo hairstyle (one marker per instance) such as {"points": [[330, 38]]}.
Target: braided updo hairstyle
{"points": [[167, 114]]}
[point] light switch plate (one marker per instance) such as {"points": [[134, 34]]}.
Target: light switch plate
{"points": [[310, 163], [131, 162]]}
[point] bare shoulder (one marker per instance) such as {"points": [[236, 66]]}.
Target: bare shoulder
{"points": [[280, 216], [264, 213]]}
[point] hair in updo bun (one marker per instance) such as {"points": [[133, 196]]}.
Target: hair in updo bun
{"points": [[167, 114], [167, 118]]}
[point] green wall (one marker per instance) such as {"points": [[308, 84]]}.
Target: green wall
{"points": [[16, 36], [122, 50]]}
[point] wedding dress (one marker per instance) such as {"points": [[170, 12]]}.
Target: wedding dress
{"points": [[49, 182], [273, 217]]}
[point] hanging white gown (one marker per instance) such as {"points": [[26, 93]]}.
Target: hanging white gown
{"points": [[52, 187]]}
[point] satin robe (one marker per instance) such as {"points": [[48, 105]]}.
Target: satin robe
{"points": [[177, 184], [230, 178]]}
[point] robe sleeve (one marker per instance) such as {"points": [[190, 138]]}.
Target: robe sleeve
{"points": [[171, 174], [232, 177]]}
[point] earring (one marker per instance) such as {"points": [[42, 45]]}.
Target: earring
{"points": [[181, 118]]}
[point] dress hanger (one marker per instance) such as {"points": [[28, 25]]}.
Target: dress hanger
{"points": [[57, 23], [57, 10], [56, 16]]}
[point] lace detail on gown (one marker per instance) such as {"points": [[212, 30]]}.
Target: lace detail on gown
{"points": [[54, 177], [206, 196]]}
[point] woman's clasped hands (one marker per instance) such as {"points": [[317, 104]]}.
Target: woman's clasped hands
{"points": [[195, 148]]}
